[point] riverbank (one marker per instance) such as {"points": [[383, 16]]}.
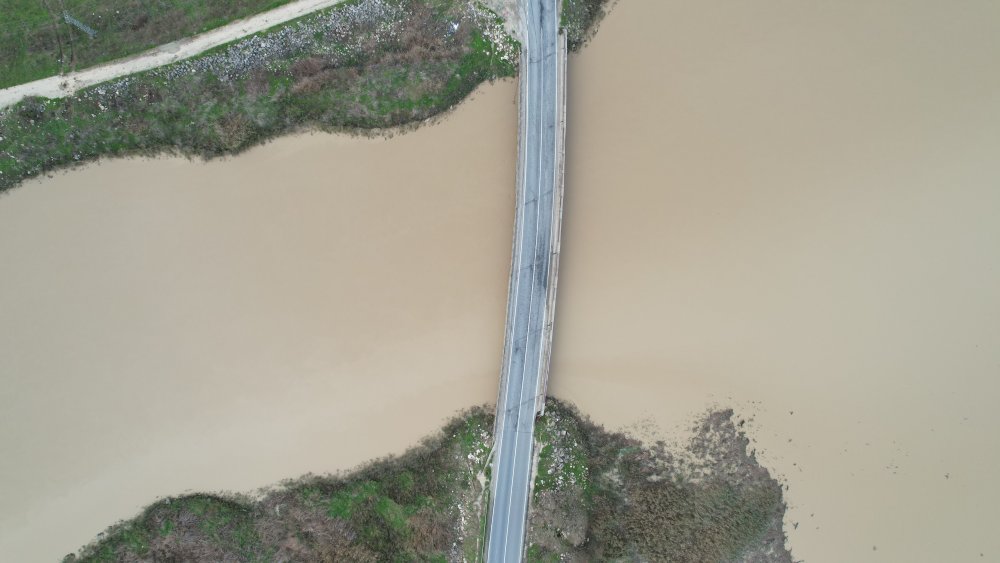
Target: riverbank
{"points": [[425, 505], [580, 19], [181, 325], [598, 496], [789, 208], [359, 66]]}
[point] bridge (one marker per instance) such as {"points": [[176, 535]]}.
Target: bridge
{"points": [[533, 275]]}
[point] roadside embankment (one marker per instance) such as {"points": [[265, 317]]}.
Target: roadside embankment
{"points": [[580, 19]]}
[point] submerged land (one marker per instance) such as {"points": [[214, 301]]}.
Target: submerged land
{"points": [[598, 496]]}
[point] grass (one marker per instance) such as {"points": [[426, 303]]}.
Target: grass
{"points": [[337, 70], [226, 524], [562, 459], [396, 509], [36, 42]]}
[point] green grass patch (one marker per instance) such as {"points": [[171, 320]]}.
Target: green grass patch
{"points": [[36, 41], [344, 503], [579, 19]]}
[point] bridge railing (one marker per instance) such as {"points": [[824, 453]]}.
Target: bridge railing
{"points": [[559, 187]]}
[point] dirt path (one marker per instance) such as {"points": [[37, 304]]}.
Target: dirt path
{"points": [[67, 84]]}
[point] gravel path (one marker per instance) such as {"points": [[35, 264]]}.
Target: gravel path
{"points": [[68, 84]]}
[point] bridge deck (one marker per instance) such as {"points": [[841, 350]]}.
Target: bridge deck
{"points": [[534, 262]]}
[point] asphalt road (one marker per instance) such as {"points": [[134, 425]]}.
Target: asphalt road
{"points": [[529, 308]]}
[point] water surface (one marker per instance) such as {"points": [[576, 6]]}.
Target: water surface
{"points": [[791, 208], [170, 325]]}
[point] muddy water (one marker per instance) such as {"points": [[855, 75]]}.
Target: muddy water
{"points": [[170, 325], [786, 207], [791, 208]]}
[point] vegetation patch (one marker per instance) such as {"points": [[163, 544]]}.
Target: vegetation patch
{"points": [[598, 496], [422, 506], [362, 65], [37, 41], [562, 455], [603, 496], [580, 19]]}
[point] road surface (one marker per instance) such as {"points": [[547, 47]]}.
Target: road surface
{"points": [[532, 285], [67, 84]]}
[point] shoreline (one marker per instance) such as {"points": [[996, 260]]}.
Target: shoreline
{"points": [[800, 228], [375, 511], [318, 71], [345, 134]]}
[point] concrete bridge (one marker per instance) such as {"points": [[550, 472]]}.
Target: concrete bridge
{"points": [[533, 275]]}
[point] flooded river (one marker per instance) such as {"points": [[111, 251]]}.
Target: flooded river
{"points": [[170, 325], [792, 208], [785, 207]]}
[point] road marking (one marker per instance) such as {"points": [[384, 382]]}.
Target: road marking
{"points": [[541, 352], [524, 358], [542, 122], [535, 87], [531, 296], [505, 374]]}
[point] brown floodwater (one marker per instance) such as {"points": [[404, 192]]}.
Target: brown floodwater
{"points": [[169, 325], [791, 208], [784, 207]]}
